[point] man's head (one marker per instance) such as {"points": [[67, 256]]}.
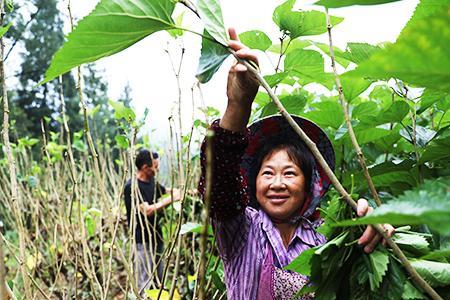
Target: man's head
{"points": [[147, 162]]}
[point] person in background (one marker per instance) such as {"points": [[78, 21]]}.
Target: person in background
{"points": [[150, 199], [267, 166]]}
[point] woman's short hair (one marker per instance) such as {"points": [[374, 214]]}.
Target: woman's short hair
{"points": [[297, 151]]}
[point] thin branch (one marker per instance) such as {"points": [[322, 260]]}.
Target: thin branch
{"points": [[344, 104]]}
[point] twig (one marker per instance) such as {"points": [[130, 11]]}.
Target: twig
{"points": [[344, 104], [15, 197]]}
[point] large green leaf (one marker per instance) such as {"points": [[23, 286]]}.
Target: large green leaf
{"points": [[395, 113], [111, 27], [343, 3], [211, 15], [435, 273], [427, 204], [212, 56], [256, 39], [302, 263], [438, 149], [429, 97], [353, 86], [427, 8], [301, 23], [419, 57], [308, 65], [414, 243], [327, 113]]}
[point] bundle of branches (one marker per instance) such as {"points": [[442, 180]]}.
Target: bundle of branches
{"points": [[338, 270]]}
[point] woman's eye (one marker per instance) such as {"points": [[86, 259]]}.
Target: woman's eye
{"points": [[266, 173], [290, 173]]}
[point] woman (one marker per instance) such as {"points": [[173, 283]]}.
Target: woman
{"points": [[269, 166]]}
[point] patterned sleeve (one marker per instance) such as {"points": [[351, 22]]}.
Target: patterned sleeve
{"points": [[229, 196]]}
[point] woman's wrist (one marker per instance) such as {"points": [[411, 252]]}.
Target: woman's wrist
{"points": [[236, 117]]}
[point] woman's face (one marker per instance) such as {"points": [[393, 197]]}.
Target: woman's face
{"points": [[280, 186]]}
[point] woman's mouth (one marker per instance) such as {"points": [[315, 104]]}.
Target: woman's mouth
{"points": [[278, 199]]}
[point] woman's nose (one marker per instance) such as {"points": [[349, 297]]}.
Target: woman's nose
{"points": [[277, 182]]}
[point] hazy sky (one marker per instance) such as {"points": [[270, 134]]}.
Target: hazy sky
{"points": [[146, 65]]}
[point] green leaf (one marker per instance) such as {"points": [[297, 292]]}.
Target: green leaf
{"points": [[419, 57], [256, 39], [308, 65], [429, 97], [353, 86], [393, 114], [359, 52], [301, 23], [343, 3], [290, 44], [211, 15], [442, 255], [4, 29], [176, 33], [122, 141], [379, 261], [122, 112], [194, 227], [90, 225], [427, 204], [338, 53], [435, 273], [413, 243], [302, 263], [327, 113], [211, 58], [113, 26], [294, 104], [411, 293], [276, 78], [438, 149], [427, 8], [364, 109]]}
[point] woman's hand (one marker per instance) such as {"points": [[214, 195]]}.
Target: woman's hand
{"points": [[242, 87], [370, 238]]}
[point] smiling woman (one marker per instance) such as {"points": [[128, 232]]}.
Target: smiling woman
{"points": [[270, 166]]}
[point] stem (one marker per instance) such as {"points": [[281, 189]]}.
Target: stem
{"points": [[15, 197], [205, 214], [344, 104]]}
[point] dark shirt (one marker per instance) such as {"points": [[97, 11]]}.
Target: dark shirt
{"points": [[150, 194]]}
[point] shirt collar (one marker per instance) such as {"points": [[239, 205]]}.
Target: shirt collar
{"points": [[304, 232]]}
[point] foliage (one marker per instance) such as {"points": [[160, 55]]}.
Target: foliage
{"points": [[426, 204], [118, 23], [398, 99]]}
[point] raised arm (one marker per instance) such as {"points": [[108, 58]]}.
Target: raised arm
{"points": [[229, 191]]}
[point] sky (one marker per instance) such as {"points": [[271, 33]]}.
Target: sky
{"points": [[146, 66]]}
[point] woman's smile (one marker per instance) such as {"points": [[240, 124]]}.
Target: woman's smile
{"points": [[280, 186]]}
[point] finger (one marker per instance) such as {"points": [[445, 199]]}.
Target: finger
{"points": [[247, 54], [236, 45], [362, 207], [367, 236], [233, 34], [373, 243]]}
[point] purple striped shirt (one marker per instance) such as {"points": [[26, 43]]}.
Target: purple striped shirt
{"points": [[243, 232]]}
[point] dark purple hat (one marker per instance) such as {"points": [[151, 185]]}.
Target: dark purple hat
{"points": [[265, 129]]}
